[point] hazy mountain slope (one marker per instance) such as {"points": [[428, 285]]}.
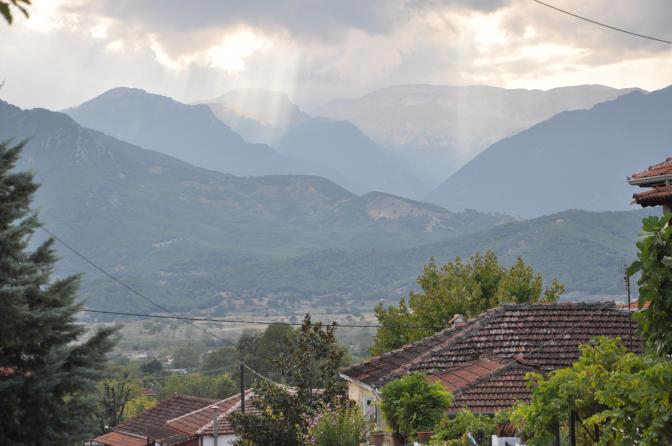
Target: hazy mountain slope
{"points": [[166, 226], [187, 132], [439, 128], [340, 151], [577, 159], [334, 149], [585, 250]]}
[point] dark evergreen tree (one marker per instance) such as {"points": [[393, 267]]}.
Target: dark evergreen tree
{"points": [[47, 372]]}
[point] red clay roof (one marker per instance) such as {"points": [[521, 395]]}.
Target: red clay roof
{"points": [[664, 168], [494, 392], [152, 422], [485, 361], [119, 439], [656, 196], [200, 421], [548, 335], [379, 370], [465, 374]]}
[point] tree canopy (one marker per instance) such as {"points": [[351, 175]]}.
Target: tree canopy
{"points": [[468, 288], [654, 262], [47, 369], [619, 398], [412, 404], [310, 366]]}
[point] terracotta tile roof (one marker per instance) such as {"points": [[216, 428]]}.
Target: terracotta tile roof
{"points": [[494, 392], [485, 361], [660, 169], [199, 421], [548, 335], [465, 374], [379, 370], [152, 422], [224, 426], [656, 196], [119, 439]]}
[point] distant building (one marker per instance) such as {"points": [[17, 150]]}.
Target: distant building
{"points": [[149, 427], [483, 361], [658, 178], [180, 421]]}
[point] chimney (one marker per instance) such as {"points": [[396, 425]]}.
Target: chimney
{"points": [[215, 424], [457, 321]]}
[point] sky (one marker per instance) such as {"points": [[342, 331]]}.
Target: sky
{"points": [[69, 51]]}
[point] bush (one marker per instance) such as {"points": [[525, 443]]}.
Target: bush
{"points": [[337, 426], [412, 404], [452, 431]]}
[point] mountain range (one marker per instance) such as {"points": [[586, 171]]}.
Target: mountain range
{"points": [[200, 135], [439, 128], [575, 160], [162, 222]]}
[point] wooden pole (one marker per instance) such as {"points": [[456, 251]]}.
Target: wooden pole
{"points": [[242, 387], [557, 434], [572, 432]]}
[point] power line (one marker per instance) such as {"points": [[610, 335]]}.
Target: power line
{"points": [[239, 321], [595, 22], [130, 288]]}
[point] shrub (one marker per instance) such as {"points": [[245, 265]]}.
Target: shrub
{"points": [[412, 404], [343, 425]]}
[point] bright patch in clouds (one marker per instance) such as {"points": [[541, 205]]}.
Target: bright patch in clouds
{"points": [[234, 49]]}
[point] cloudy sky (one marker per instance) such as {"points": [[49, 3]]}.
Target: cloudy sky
{"points": [[317, 50]]}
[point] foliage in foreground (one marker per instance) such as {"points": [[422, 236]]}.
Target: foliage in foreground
{"points": [[654, 261], [619, 397], [199, 384], [468, 288], [47, 372], [412, 404], [19, 5], [339, 424], [310, 363], [453, 431]]}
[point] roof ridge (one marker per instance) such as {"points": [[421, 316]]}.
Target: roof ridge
{"points": [[203, 408]]}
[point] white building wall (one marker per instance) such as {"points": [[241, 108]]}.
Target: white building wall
{"points": [[222, 440]]}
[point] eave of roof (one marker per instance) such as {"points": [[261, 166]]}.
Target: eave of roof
{"points": [[656, 174], [121, 439], [657, 196]]}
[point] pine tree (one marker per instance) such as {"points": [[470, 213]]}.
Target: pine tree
{"points": [[47, 372]]}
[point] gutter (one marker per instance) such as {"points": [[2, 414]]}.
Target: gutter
{"points": [[359, 383], [650, 180]]}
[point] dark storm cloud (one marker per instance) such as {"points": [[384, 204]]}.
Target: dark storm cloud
{"points": [[321, 19]]}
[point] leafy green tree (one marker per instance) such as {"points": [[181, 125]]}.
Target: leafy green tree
{"points": [[114, 395], [467, 288], [337, 425], [198, 384], [6, 8], [412, 404], [186, 357], [151, 367], [654, 262], [452, 430], [620, 398], [47, 371], [310, 365]]}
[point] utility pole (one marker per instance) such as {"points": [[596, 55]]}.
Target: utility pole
{"points": [[626, 278], [572, 432], [215, 424], [242, 386]]}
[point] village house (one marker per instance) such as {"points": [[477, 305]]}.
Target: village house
{"points": [[659, 179], [483, 361], [149, 427], [180, 421], [212, 421]]}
